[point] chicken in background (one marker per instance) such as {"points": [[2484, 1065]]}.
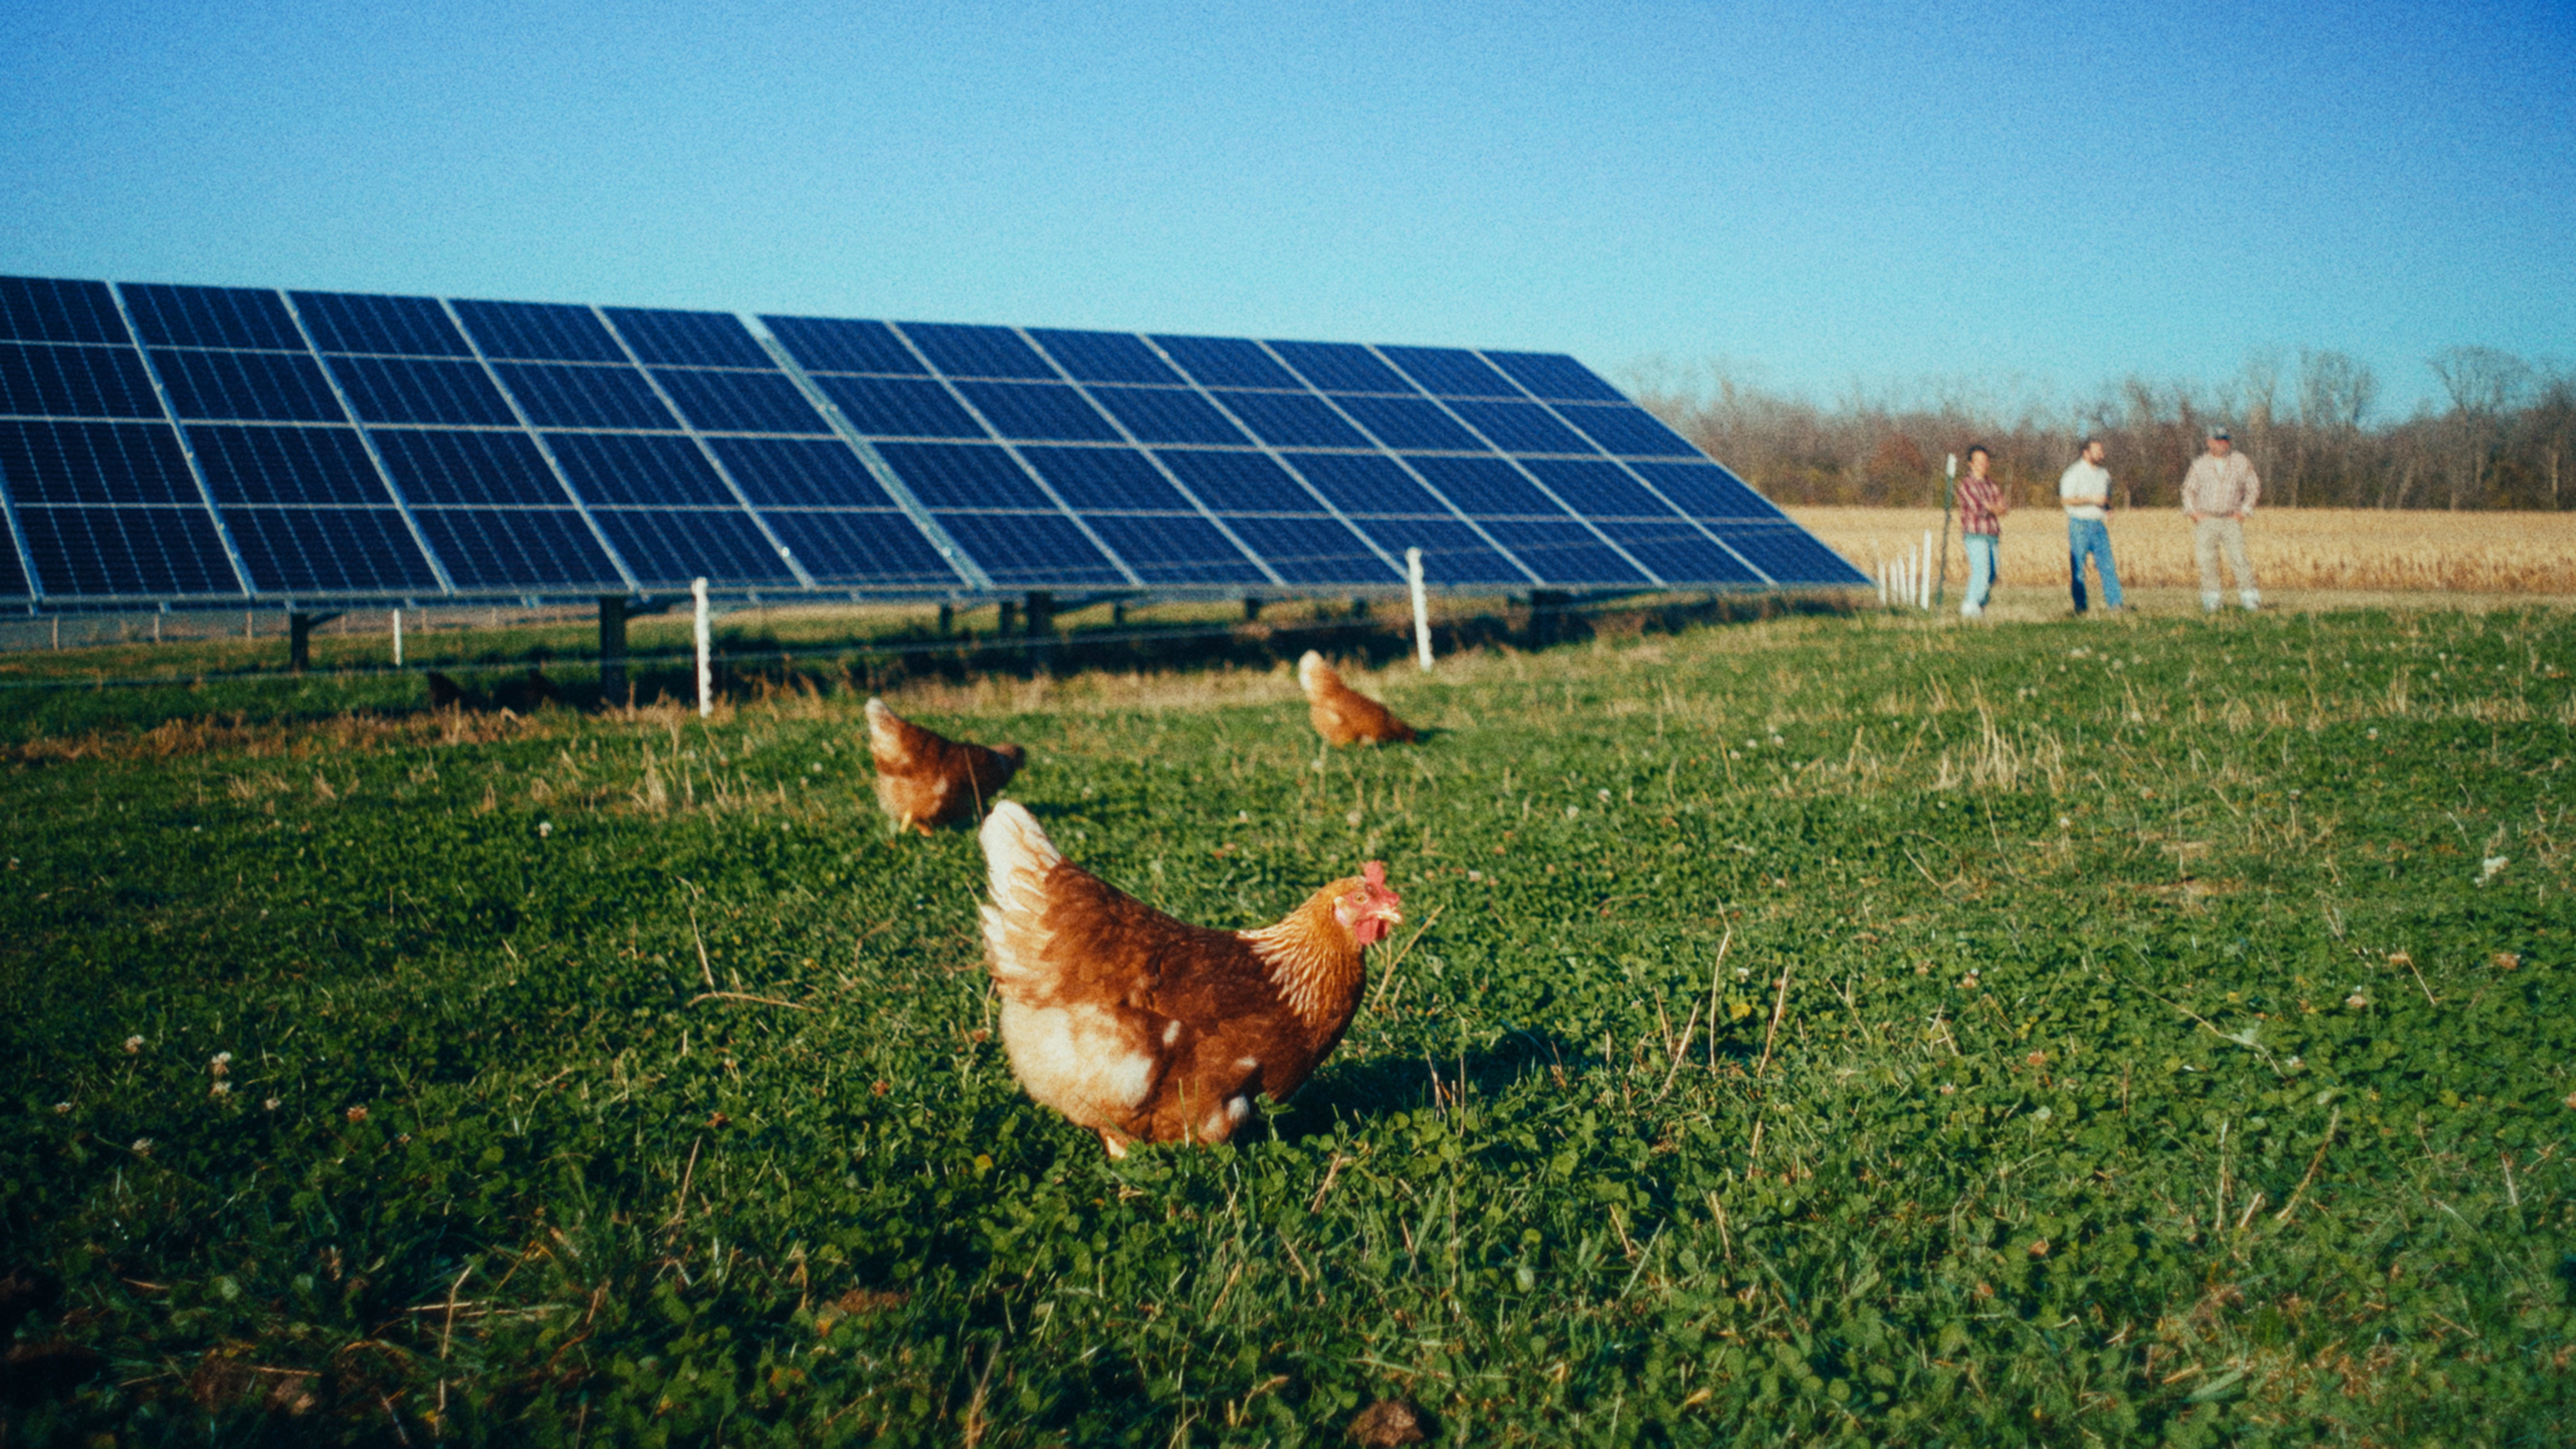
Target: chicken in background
{"points": [[925, 780], [1343, 715], [1144, 1028]]}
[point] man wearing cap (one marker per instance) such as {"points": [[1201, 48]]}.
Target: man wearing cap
{"points": [[2084, 489], [2217, 493]]}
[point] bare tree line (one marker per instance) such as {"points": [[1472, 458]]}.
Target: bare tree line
{"points": [[2309, 422]]}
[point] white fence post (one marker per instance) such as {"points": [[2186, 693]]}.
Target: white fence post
{"points": [[397, 638], [1924, 601], [706, 648], [1421, 608]]}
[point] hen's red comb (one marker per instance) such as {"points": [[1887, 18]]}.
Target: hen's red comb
{"points": [[1374, 873]]}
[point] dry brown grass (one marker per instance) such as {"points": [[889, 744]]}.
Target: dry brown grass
{"points": [[2338, 549]]}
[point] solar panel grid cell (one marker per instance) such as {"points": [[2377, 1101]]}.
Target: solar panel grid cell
{"points": [[82, 462], [661, 336], [1485, 487], [1104, 356], [486, 548], [967, 351], [667, 547], [1564, 553], [740, 402], [1518, 427], [63, 380], [287, 466], [361, 322], [170, 552], [1788, 553], [1451, 372], [1114, 479], [1705, 490], [1316, 550], [1227, 362], [1453, 554], [1030, 550], [800, 473], [1038, 411], [44, 309], [963, 476], [854, 548], [1366, 483], [1230, 481], [1677, 552], [1629, 431], [1597, 490], [468, 469], [539, 332], [421, 390], [1409, 423], [13, 575], [319, 550], [1168, 415], [625, 470], [1291, 419], [899, 407], [833, 344], [1554, 376], [1175, 548], [265, 386], [211, 317], [562, 396], [1341, 367]]}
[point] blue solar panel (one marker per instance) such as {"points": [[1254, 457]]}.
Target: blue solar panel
{"points": [[539, 332], [140, 551], [1175, 548], [1677, 552], [899, 407], [1359, 483], [1104, 356], [963, 475], [657, 471], [468, 468], [1030, 550], [832, 344], [1227, 362], [1341, 367], [1312, 550], [1788, 553], [1564, 553], [584, 397], [668, 547], [964, 351], [1291, 419], [1168, 415], [1485, 487], [663, 337], [1410, 424], [287, 465], [1049, 411], [1228, 481], [1119, 479], [1597, 490], [1554, 376], [1453, 554], [1520, 427], [328, 550], [211, 317], [1631, 431], [488, 548], [1705, 490], [49, 379], [1451, 372], [740, 402], [419, 390], [41, 309], [855, 548], [13, 577], [800, 473], [267, 386], [357, 322], [69, 462]]}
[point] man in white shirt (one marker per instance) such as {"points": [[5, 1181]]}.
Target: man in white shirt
{"points": [[2084, 489], [2217, 494]]}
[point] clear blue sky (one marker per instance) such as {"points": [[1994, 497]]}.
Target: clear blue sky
{"points": [[2018, 198]]}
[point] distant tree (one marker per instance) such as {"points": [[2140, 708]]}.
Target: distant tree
{"points": [[2336, 391], [2482, 382]]}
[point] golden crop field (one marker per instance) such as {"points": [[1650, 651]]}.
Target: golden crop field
{"points": [[2344, 550]]}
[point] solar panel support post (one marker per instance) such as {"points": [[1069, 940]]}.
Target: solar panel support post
{"points": [[1547, 615], [1041, 612], [947, 619], [1251, 608], [299, 638], [1421, 607], [612, 649], [706, 640]]}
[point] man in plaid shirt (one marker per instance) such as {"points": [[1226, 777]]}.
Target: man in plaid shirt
{"points": [[1982, 506]]}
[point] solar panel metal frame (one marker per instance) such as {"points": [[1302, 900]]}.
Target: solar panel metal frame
{"points": [[1563, 395]]}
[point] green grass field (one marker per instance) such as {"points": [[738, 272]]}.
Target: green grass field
{"points": [[2178, 1045]]}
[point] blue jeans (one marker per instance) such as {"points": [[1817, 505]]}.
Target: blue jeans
{"points": [[2091, 536], [1981, 567]]}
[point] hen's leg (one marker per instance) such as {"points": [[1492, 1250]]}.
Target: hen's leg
{"points": [[1116, 1142]]}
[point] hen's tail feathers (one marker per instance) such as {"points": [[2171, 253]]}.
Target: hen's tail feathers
{"points": [[1018, 856]]}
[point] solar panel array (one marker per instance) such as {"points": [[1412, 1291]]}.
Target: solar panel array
{"points": [[200, 445]]}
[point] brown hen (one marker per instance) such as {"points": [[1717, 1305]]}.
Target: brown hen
{"points": [[1144, 1028], [926, 780], [1343, 715]]}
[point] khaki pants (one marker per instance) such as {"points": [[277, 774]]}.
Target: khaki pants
{"points": [[2210, 535]]}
